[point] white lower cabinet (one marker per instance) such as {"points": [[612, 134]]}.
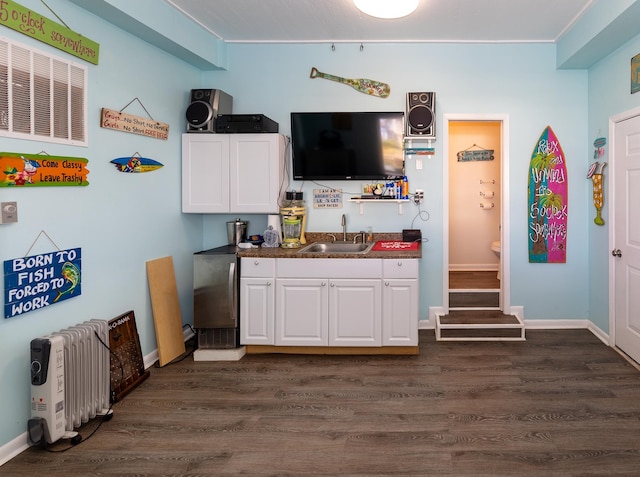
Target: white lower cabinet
{"points": [[329, 302], [400, 302], [328, 312], [257, 291], [355, 312], [302, 311]]}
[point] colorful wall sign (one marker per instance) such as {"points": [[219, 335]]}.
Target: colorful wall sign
{"points": [[36, 170], [41, 280], [124, 122], [547, 193], [30, 23], [135, 164]]}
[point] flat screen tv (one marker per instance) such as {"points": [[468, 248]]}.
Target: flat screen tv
{"points": [[347, 146]]}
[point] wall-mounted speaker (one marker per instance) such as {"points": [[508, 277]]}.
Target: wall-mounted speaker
{"points": [[421, 115], [204, 107]]}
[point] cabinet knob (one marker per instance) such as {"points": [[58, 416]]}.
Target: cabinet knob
{"points": [[399, 264], [323, 284], [268, 284], [332, 284], [257, 262], [386, 284]]}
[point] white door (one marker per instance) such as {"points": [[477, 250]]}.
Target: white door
{"points": [[626, 238]]}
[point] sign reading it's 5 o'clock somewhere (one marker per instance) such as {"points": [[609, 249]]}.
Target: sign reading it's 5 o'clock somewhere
{"points": [[36, 170], [25, 21]]}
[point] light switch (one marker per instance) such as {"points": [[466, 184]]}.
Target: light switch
{"points": [[8, 212]]}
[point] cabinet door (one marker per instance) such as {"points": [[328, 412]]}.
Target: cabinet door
{"points": [[400, 312], [257, 311], [301, 312], [355, 312], [255, 166], [205, 172]]}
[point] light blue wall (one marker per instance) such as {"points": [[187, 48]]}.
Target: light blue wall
{"points": [[609, 95], [519, 80], [120, 220]]}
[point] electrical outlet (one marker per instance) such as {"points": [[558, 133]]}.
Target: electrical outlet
{"points": [[418, 197], [8, 212]]}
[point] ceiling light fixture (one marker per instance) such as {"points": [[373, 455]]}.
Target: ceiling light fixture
{"points": [[386, 8]]}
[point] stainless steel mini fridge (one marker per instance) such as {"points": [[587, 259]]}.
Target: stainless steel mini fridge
{"points": [[215, 297]]}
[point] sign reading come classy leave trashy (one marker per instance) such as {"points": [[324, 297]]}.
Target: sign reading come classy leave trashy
{"points": [[25, 21], [35, 170]]}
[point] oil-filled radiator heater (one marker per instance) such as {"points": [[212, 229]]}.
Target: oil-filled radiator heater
{"points": [[70, 380]]}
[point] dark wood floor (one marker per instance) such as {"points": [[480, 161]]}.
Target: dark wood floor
{"points": [[473, 279], [559, 404]]}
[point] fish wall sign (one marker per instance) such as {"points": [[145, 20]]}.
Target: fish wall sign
{"points": [[135, 164], [37, 281], [36, 170]]}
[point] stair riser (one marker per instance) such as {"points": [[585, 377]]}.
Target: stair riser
{"points": [[474, 299]]}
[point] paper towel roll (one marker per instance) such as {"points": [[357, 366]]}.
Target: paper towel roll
{"points": [[274, 222]]}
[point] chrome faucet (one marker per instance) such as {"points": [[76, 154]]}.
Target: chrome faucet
{"points": [[360, 234], [344, 228]]}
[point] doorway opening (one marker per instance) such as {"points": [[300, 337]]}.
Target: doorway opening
{"points": [[476, 213]]}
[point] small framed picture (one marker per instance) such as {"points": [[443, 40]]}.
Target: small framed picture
{"points": [[635, 74]]}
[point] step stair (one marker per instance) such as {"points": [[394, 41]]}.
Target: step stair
{"points": [[484, 299], [474, 310], [479, 325]]}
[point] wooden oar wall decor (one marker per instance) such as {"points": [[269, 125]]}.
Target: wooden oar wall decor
{"points": [[363, 85]]}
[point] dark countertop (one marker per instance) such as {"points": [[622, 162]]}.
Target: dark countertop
{"points": [[312, 237]]}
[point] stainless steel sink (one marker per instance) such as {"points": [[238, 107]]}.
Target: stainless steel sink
{"points": [[337, 247]]}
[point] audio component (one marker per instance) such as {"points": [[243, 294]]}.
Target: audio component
{"points": [[245, 123], [205, 106], [421, 115]]}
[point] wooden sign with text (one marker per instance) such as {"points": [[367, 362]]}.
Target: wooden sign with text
{"points": [[36, 170], [25, 21], [124, 122]]}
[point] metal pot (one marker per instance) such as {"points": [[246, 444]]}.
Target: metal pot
{"points": [[237, 231]]}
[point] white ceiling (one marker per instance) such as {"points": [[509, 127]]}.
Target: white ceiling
{"points": [[307, 21]]}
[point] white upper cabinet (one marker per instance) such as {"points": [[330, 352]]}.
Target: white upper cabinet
{"points": [[231, 173]]}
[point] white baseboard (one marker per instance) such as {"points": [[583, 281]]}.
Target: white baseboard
{"points": [[604, 337], [430, 324], [13, 448], [150, 359], [556, 324]]}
